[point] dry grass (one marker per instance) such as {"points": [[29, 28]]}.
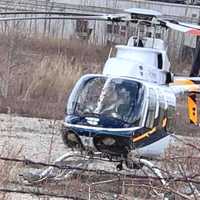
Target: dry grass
{"points": [[182, 161], [54, 77], [36, 74], [8, 170]]}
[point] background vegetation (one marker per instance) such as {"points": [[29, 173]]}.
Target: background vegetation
{"points": [[37, 74]]}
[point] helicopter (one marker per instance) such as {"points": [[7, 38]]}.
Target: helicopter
{"points": [[128, 110], [125, 115]]}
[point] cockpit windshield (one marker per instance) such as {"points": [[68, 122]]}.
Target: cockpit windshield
{"points": [[117, 98]]}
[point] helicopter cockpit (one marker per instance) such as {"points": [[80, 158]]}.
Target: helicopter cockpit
{"points": [[111, 114], [106, 102]]}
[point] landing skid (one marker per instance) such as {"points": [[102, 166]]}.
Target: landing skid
{"points": [[83, 162]]}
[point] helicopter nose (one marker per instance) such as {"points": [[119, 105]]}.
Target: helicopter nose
{"points": [[111, 144]]}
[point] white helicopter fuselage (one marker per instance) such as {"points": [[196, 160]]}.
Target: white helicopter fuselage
{"points": [[148, 63], [148, 67], [152, 134]]}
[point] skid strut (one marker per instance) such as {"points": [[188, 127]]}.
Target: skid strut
{"points": [[50, 171], [82, 161]]}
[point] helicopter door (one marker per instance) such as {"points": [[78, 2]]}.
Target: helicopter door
{"points": [[152, 110]]}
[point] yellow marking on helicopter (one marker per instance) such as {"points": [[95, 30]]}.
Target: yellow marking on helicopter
{"points": [[186, 83], [144, 135], [192, 110], [183, 82], [191, 87]]}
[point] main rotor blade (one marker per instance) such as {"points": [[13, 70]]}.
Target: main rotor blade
{"points": [[66, 15], [48, 13], [194, 29], [130, 11], [98, 18], [49, 17], [127, 14], [182, 27]]}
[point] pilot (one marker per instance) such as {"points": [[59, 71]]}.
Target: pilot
{"points": [[123, 101], [118, 101], [115, 101]]}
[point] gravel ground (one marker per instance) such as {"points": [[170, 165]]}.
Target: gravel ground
{"points": [[39, 140], [36, 139]]}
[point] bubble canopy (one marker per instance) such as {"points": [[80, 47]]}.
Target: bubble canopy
{"points": [[106, 102]]}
